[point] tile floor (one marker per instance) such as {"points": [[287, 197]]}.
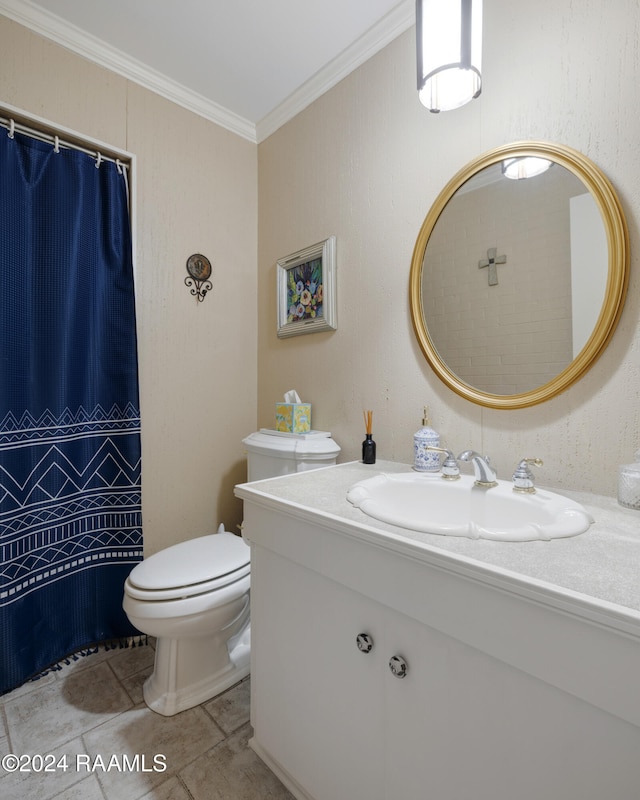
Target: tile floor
{"points": [[91, 714]]}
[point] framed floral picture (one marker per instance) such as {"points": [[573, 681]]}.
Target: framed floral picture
{"points": [[307, 290]]}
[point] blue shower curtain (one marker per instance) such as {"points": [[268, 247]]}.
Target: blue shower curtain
{"points": [[70, 522]]}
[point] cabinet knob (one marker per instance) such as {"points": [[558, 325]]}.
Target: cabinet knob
{"points": [[398, 666], [364, 642]]}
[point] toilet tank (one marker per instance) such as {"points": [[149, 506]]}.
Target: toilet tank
{"points": [[271, 453]]}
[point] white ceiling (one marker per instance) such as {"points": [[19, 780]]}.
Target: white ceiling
{"points": [[247, 64]]}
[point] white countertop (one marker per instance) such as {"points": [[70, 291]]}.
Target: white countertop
{"points": [[602, 564]]}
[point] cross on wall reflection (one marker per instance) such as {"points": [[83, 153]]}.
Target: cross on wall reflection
{"points": [[490, 262]]}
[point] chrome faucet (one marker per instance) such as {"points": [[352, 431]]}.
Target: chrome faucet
{"points": [[484, 473]]}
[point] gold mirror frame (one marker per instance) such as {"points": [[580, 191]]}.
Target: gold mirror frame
{"points": [[616, 287]]}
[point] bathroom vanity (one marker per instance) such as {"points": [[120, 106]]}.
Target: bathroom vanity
{"points": [[394, 664]]}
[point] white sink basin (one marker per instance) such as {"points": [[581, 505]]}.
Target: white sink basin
{"points": [[430, 504]]}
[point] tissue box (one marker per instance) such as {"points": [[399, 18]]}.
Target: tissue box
{"points": [[293, 417]]}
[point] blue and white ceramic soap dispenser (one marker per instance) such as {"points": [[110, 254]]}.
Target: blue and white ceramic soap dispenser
{"points": [[425, 460]]}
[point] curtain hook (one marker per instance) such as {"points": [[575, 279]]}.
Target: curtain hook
{"points": [[119, 166], [12, 128], [98, 160], [56, 144]]}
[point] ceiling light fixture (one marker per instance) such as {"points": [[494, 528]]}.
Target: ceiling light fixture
{"points": [[449, 52]]}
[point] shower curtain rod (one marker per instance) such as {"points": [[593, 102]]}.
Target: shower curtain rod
{"points": [[52, 138]]}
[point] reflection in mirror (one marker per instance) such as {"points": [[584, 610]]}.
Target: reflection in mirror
{"points": [[517, 285], [505, 323], [526, 167]]}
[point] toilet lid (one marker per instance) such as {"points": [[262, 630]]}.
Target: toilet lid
{"points": [[193, 562]]}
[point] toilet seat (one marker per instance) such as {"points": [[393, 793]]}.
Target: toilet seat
{"points": [[190, 568]]}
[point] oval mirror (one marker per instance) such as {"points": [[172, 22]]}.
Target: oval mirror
{"points": [[517, 285]]}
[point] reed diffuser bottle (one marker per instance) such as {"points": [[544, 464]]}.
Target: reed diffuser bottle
{"points": [[368, 446]]}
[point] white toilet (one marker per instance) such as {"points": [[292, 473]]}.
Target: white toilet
{"points": [[194, 596]]}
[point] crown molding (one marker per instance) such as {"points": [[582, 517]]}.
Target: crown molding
{"points": [[93, 49], [397, 21]]}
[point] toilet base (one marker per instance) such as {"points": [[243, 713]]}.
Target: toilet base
{"points": [[185, 674]]}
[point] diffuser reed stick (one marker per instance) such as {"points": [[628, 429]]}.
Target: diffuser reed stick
{"points": [[368, 421], [368, 446]]}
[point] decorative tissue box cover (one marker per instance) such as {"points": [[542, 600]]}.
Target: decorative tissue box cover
{"points": [[293, 417]]}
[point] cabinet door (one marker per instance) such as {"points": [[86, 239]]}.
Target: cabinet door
{"points": [[465, 725], [317, 699], [418, 734]]}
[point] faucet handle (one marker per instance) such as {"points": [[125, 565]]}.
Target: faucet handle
{"points": [[450, 468], [523, 480]]}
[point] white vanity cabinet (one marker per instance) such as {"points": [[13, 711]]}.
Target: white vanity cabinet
{"points": [[509, 693]]}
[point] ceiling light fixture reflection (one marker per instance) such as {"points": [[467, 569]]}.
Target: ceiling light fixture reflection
{"points": [[524, 167]]}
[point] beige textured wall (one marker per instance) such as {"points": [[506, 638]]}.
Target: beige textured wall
{"points": [[365, 162], [196, 192]]}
